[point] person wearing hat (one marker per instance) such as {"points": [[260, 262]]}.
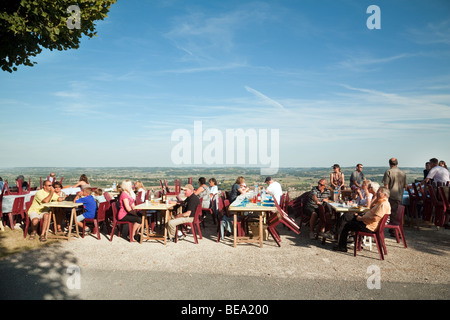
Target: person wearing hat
{"points": [[274, 188], [90, 205], [188, 211]]}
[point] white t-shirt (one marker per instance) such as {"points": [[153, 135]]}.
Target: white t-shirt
{"points": [[439, 174], [275, 190]]}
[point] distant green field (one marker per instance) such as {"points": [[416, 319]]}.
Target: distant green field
{"points": [[292, 179]]}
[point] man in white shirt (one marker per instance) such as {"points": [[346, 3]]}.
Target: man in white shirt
{"points": [[274, 189], [437, 173]]}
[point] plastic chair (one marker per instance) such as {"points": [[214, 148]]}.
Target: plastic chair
{"points": [[192, 225], [118, 223], [17, 209], [99, 217], [276, 219], [27, 218], [399, 228], [413, 201], [426, 201], [210, 210], [445, 200], [378, 235], [223, 207], [439, 207], [325, 221]]}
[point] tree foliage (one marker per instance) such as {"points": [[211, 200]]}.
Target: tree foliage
{"points": [[28, 26]]}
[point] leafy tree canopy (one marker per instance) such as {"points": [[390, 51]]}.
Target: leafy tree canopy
{"points": [[27, 26]]}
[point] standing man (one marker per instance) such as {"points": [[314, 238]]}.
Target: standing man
{"points": [[357, 177], [274, 188], [187, 215], [395, 180]]}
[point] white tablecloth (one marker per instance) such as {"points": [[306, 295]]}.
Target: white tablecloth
{"points": [[8, 201]]}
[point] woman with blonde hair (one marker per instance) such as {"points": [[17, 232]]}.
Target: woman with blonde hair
{"points": [[127, 210], [139, 187]]}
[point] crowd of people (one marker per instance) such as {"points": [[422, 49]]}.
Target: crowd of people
{"points": [[379, 199]]}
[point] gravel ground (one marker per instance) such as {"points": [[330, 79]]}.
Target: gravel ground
{"points": [[301, 269]]}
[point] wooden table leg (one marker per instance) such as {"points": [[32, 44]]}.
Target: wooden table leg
{"points": [[144, 216], [166, 221], [261, 229], [74, 211], [47, 228], [234, 229]]}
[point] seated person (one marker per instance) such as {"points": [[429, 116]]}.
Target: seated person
{"points": [[363, 196], [238, 188], [37, 212], [337, 178], [274, 188], [25, 185], [318, 196], [82, 181], [203, 192], [367, 222], [189, 207], [127, 210], [59, 212], [98, 196], [90, 205], [139, 187]]}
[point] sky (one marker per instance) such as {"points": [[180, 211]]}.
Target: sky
{"points": [[181, 83]]}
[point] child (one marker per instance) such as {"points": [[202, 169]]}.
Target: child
{"points": [[90, 205], [98, 196]]}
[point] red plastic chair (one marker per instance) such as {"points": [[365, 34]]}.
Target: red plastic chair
{"points": [[99, 217], [445, 200], [223, 207], [210, 210], [427, 210], [439, 207], [276, 219], [413, 201], [118, 223], [27, 218], [378, 235], [17, 209], [192, 225], [399, 228]]}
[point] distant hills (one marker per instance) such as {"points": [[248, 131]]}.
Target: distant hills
{"points": [[295, 179]]}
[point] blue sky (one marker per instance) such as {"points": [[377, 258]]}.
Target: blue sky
{"points": [[336, 91]]}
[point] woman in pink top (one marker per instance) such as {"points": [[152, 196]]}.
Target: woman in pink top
{"points": [[127, 210]]}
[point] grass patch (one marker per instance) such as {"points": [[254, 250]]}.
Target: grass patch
{"points": [[12, 241]]}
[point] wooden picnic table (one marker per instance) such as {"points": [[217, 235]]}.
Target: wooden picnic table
{"points": [[156, 206]]}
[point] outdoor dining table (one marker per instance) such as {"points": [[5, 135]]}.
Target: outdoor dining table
{"points": [[341, 208], [155, 206], [73, 215], [241, 205]]}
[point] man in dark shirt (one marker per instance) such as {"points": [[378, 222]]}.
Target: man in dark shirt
{"points": [[188, 211]]}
